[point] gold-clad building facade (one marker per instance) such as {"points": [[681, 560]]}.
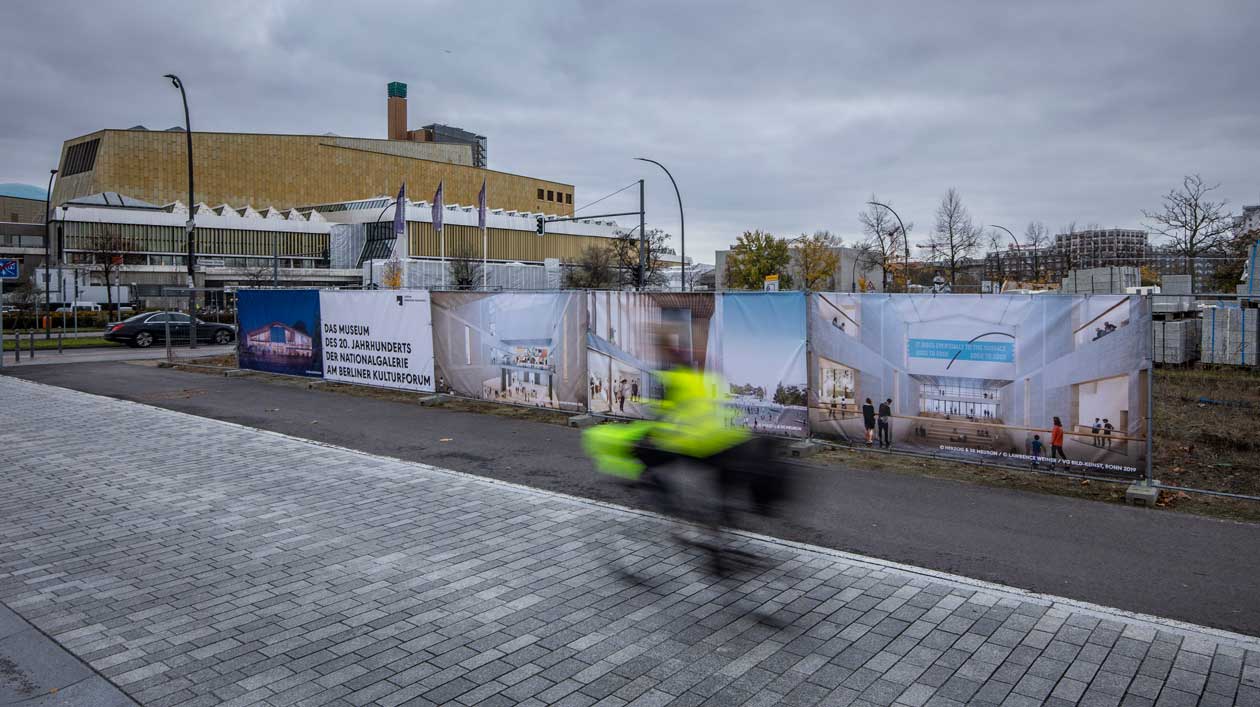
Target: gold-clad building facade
{"points": [[287, 171]]}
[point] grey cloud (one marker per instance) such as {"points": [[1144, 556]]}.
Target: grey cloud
{"points": [[777, 116]]}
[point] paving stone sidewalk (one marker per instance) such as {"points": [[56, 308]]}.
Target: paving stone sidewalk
{"points": [[195, 562]]}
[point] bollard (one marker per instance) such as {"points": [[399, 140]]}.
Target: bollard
{"points": [[32, 340], [17, 347]]}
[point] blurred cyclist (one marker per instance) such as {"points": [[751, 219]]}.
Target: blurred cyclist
{"points": [[690, 426]]}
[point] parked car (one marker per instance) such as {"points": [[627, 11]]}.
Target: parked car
{"points": [[80, 306], [148, 328]]}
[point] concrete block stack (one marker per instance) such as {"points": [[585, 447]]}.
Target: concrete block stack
{"points": [[1229, 335], [1175, 285], [1101, 281], [1177, 340], [1172, 304]]}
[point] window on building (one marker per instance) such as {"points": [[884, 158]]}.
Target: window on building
{"points": [[568, 198], [551, 195], [80, 157], [13, 216], [540, 194]]}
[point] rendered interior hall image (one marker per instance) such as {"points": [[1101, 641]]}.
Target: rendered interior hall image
{"points": [[622, 340], [523, 348], [983, 375]]}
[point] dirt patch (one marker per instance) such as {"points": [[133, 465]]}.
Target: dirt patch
{"points": [[1233, 509], [1206, 431]]}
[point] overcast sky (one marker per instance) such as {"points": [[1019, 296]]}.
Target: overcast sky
{"points": [[779, 116]]}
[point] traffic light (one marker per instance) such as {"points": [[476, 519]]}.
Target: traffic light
{"points": [[542, 226]]}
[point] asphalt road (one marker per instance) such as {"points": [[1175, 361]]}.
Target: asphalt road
{"points": [[1164, 563], [113, 353]]}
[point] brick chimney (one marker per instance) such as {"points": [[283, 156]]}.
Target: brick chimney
{"points": [[397, 110]]}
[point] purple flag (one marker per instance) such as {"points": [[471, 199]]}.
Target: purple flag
{"points": [[481, 205], [400, 212], [437, 208]]}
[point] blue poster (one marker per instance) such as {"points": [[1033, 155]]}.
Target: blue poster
{"points": [[279, 332]]}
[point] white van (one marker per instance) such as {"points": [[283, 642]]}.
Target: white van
{"points": [[80, 306]]}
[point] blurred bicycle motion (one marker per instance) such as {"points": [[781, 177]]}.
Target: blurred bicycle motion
{"points": [[696, 466]]}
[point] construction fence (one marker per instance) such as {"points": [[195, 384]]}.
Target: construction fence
{"points": [[1006, 379]]}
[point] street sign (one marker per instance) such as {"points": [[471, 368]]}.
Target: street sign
{"points": [[9, 269]]}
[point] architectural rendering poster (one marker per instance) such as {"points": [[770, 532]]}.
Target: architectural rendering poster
{"points": [[378, 337], [984, 377], [511, 347], [757, 344], [279, 331], [624, 332]]}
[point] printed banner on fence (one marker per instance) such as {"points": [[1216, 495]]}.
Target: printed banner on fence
{"points": [[382, 338], [754, 341], [511, 347], [279, 331], [1014, 379], [624, 333], [758, 345]]}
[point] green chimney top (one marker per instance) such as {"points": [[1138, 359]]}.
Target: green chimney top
{"points": [[397, 89]]}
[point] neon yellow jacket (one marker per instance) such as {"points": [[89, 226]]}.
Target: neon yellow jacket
{"points": [[691, 420]]}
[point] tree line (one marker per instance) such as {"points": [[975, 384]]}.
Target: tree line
{"points": [[1190, 221]]}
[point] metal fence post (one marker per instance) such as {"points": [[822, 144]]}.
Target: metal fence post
{"points": [[1150, 425], [17, 346], [32, 343], [1150, 397]]}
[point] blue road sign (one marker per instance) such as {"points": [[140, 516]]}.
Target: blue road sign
{"points": [[8, 269]]}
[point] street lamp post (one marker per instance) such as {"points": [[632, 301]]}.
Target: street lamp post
{"points": [[190, 224], [905, 237], [682, 222], [1013, 238], [48, 256]]}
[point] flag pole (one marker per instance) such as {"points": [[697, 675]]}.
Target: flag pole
{"points": [[485, 239]]}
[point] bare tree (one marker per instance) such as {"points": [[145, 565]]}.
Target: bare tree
{"points": [[626, 249], [1192, 222], [257, 275], [955, 237], [1036, 237], [996, 241], [884, 242], [594, 269], [1067, 256], [108, 253], [465, 268]]}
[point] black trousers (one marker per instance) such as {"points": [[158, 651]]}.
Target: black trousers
{"points": [[745, 468]]}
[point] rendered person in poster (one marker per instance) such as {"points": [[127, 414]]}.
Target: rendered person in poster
{"points": [[980, 377]]}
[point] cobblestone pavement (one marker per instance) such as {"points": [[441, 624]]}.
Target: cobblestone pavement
{"points": [[197, 562]]}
